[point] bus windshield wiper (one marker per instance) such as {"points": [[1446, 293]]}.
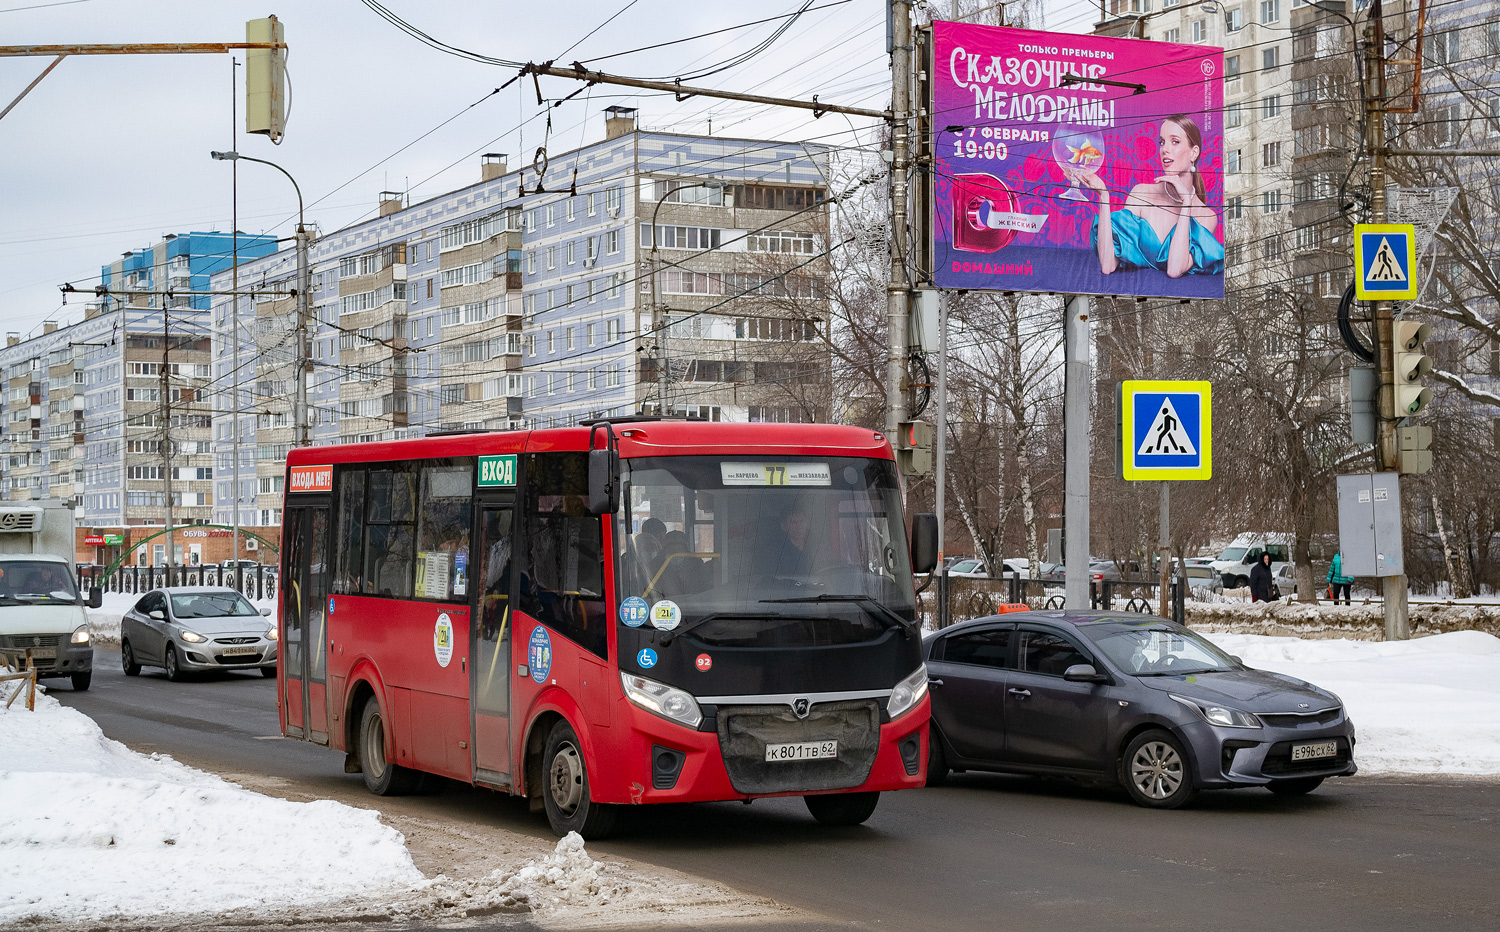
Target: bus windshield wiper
{"points": [[909, 628], [717, 616]]}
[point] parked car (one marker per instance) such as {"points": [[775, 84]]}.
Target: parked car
{"points": [[196, 628], [249, 565], [1125, 698], [973, 568], [1202, 578]]}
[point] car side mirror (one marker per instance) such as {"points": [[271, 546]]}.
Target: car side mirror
{"points": [[158, 614], [924, 543], [96, 598], [266, 610], [1236, 660], [1084, 673]]}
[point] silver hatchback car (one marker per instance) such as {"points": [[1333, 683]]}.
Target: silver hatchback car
{"points": [[196, 628]]}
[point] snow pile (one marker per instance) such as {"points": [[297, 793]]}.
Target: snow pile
{"points": [[1428, 705], [93, 830], [1287, 616]]}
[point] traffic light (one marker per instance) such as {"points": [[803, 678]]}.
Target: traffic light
{"points": [[914, 448], [265, 79], [1411, 365]]}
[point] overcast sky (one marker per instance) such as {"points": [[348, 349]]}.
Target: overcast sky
{"points": [[109, 153]]}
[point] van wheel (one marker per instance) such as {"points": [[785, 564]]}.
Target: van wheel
{"points": [[382, 777], [565, 788], [842, 808], [127, 660], [81, 681]]}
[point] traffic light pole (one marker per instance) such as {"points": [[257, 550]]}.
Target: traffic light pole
{"points": [[1387, 451]]}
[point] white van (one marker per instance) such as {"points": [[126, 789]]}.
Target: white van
{"points": [[1234, 563], [40, 609]]}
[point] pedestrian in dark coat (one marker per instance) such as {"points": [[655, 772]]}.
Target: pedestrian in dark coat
{"points": [[1260, 580]]}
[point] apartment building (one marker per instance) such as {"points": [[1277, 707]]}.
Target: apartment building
{"points": [[643, 261], [85, 409]]}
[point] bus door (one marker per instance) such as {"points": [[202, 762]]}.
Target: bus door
{"points": [[489, 639], [304, 632]]}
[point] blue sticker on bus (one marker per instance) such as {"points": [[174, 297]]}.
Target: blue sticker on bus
{"points": [[634, 611], [539, 654], [646, 658], [330, 605]]}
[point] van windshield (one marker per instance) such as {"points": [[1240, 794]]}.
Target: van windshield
{"points": [[36, 581], [1233, 553]]}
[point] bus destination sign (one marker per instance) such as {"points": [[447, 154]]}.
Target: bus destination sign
{"points": [[497, 471]]}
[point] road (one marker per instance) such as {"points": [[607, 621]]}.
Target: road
{"points": [[986, 852]]}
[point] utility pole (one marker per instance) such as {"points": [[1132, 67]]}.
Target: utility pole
{"points": [[300, 436], [898, 294], [165, 388], [1077, 383], [1393, 588], [234, 321]]}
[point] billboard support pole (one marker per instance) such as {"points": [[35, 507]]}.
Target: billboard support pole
{"points": [[1077, 380]]}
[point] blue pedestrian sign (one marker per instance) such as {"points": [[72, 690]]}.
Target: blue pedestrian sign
{"points": [[1385, 261], [1166, 430]]}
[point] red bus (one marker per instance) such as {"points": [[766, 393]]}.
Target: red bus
{"points": [[634, 612]]}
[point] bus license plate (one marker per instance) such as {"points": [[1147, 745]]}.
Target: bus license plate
{"points": [[238, 651], [806, 750], [1315, 751]]}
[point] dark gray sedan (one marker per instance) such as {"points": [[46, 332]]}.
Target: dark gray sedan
{"points": [[1125, 698], [195, 628]]}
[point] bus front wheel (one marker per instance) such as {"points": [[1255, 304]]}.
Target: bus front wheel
{"points": [[842, 808], [565, 788], [382, 777]]}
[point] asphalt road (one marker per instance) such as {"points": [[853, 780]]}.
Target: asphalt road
{"points": [[986, 852]]}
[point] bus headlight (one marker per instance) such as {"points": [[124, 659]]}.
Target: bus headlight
{"points": [[908, 693], [660, 699], [80, 634]]}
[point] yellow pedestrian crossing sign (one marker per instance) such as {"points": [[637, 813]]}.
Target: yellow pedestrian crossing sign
{"points": [[1166, 429], [1385, 261]]}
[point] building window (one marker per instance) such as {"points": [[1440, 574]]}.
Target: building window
{"points": [[1271, 249], [1200, 30], [588, 334], [571, 250], [1233, 20], [530, 264], [1270, 202], [612, 200], [1270, 154], [551, 214], [1270, 106], [1270, 59], [1232, 116], [1231, 67], [570, 338], [1270, 11], [593, 205], [551, 257], [1232, 162], [1235, 209], [611, 330], [612, 240], [568, 208], [551, 341], [1442, 48], [1172, 35], [1304, 44]]}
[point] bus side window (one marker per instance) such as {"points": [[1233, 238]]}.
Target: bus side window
{"points": [[562, 573], [389, 565], [349, 526]]}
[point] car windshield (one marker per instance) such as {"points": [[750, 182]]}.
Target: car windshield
{"points": [[1158, 650], [965, 566], [211, 605], [782, 552], [36, 581], [1233, 553]]}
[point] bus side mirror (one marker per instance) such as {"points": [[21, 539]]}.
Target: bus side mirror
{"points": [[604, 482], [924, 543], [96, 597]]}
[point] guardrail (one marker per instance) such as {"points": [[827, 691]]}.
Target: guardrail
{"points": [[28, 674], [258, 582], [957, 598]]}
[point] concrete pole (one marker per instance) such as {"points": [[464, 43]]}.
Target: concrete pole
{"points": [[897, 292], [1164, 548], [234, 314], [1077, 384], [304, 287], [942, 455]]}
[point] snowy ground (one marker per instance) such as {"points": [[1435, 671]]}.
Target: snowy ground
{"points": [[1428, 705], [1324, 619], [96, 833]]}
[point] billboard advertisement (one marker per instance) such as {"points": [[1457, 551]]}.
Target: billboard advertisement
{"points": [[1077, 164]]}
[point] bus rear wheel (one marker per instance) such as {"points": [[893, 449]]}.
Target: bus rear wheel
{"points": [[382, 777], [565, 788], [842, 808]]}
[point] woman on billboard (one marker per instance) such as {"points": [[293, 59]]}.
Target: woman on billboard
{"points": [[1163, 224]]}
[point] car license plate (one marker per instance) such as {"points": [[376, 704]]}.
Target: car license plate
{"points": [[238, 651], [1315, 751], [806, 750]]}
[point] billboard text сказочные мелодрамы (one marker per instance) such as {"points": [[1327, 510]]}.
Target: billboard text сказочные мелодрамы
{"points": [[1087, 188]]}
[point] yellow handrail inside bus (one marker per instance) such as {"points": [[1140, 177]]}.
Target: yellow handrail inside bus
{"points": [[663, 568]]}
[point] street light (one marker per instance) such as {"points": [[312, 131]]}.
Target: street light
{"points": [[299, 401], [663, 375]]}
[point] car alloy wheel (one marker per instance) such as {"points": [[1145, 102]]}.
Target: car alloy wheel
{"points": [[1156, 771]]}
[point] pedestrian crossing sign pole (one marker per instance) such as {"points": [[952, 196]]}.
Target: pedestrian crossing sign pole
{"points": [[1166, 430], [1385, 261]]}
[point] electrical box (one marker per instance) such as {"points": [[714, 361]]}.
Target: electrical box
{"points": [[1370, 524], [1364, 390], [924, 319]]}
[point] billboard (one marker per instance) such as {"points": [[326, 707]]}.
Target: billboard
{"points": [[1048, 179]]}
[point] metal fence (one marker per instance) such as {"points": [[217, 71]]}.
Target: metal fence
{"points": [[257, 582], [951, 599]]}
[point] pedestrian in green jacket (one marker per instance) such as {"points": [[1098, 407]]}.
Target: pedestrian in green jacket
{"points": [[1337, 581]]}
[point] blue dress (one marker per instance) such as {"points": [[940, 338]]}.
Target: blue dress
{"points": [[1136, 244]]}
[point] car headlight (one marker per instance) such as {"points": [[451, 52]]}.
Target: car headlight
{"points": [[1222, 716], [193, 637], [273, 634], [908, 693], [80, 635], [660, 699]]}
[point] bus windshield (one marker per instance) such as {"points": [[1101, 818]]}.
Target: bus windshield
{"points": [[761, 551]]}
